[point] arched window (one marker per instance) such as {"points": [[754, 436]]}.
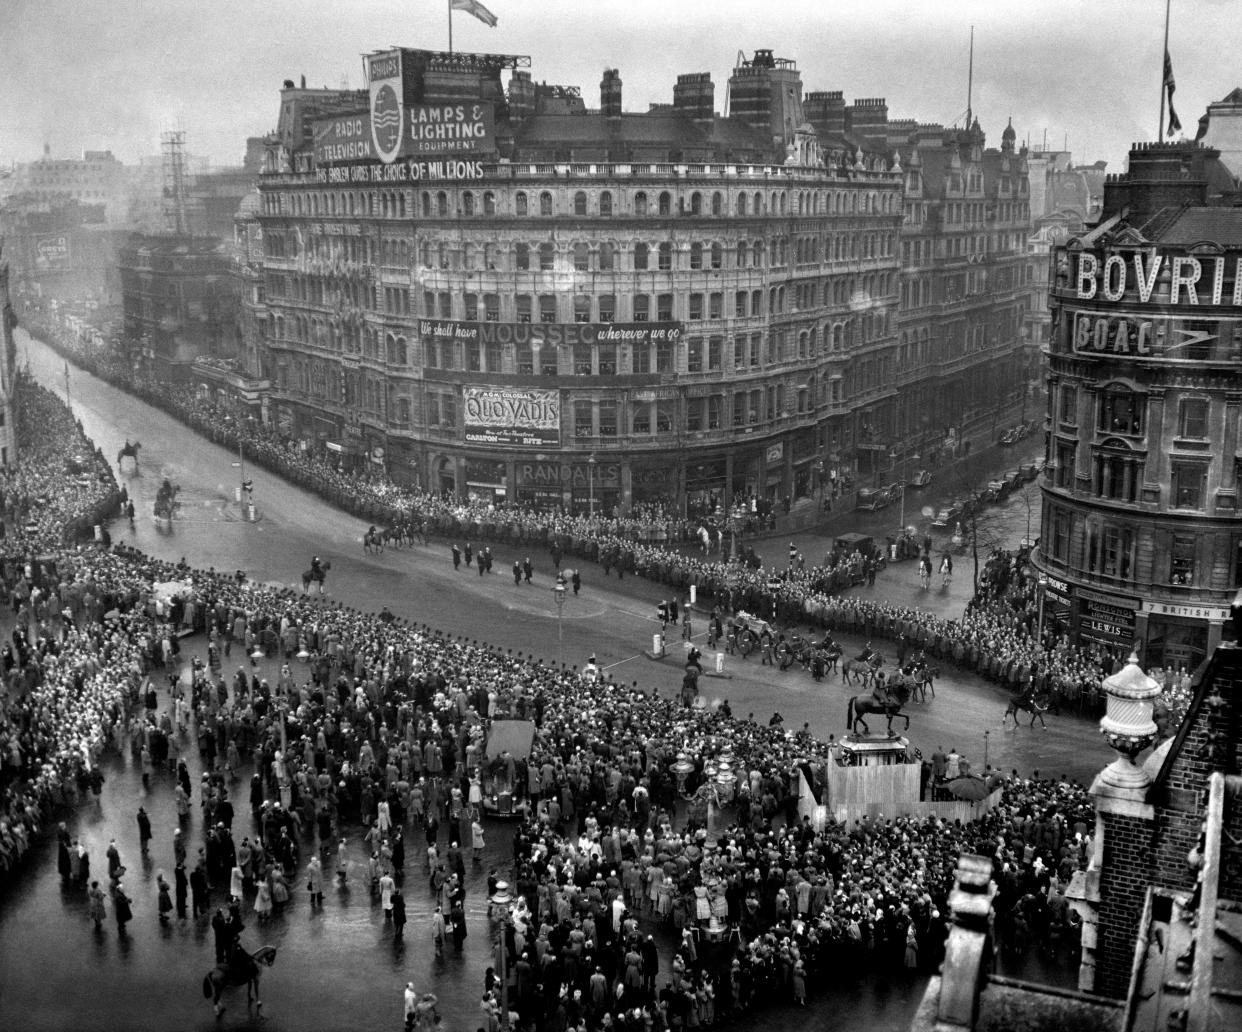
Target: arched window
{"points": [[580, 202], [489, 203], [607, 256], [640, 203], [547, 257], [717, 203], [582, 257], [545, 203], [442, 208], [717, 259], [666, 203], [696, 203], [520, 204], [641, 252], [666, 256], [741, 204], [605, 203], [743, 254], [521, 257], [467, 203]]}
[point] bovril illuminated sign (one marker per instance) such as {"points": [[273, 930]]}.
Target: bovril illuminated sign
{"points": [[1150, 277]]}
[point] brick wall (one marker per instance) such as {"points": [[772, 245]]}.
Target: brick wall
{"points": [[1180, 794], [1125, 873]]}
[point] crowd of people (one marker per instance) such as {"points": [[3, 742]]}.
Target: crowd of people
{"points": [[999, 636], [381, 733], [385, 735]]}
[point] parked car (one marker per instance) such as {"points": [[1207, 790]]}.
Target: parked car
{"points": [[872, 498], [994, 492], [1029, 471], [947, 516], [920, 480], [1010, 436], [1013, 478]]}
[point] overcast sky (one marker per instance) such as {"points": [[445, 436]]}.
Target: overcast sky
{"points": [[86, 74]]}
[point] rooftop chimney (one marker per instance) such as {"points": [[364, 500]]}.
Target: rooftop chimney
{"points": [[610, 93]]}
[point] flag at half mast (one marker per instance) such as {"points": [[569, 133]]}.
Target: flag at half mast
{"points": [[477, 9], [1170, 84]]}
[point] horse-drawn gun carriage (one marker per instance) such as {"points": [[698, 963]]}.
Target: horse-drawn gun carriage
{"points": [[748, 631]]}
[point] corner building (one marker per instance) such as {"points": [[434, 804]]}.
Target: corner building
{"points": [[1141, 538], [519, 298]]}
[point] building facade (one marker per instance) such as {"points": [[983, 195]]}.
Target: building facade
{"points": [[179, 302], [518, 297], [1141, 540]]}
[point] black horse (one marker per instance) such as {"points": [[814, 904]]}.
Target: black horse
{"points": [[898, 695], [315, 575], [245, 970], [1035, 705], [130, 451]]}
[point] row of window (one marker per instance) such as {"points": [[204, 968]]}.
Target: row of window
{"points": [[1118, 475], [1110, 549], [639, 256], [1122, 411], [605, 203]]}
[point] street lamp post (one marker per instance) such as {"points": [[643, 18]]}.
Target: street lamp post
{"points": [[986, 734], [558, 595], [591, 484], [1043, 586], [499, 914]]}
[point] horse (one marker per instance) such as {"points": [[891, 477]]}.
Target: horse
{"points": [[315, 575], [863, 670], [225, 976], [373, 541], [1026, 704], [130, 451], [923, 680], [925, 572], [394, 535], [416, 530], [898, 696], [710, 538], [946, 572]]}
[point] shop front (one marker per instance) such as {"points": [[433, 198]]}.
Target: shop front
{"points": [[705, 485], [486, 481], [1181, 636], [653, 481], [595, 486], [545, 485], [1055, 606], [1107, 620]]}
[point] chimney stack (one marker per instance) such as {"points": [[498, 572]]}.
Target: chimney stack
{"points": [[610, 93], [695, 96]]}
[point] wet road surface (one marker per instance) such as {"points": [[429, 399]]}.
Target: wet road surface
{"points": [[338, 968]]}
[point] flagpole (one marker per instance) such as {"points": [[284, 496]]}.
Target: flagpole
{"points": [[450, 10], [1164, 61]]}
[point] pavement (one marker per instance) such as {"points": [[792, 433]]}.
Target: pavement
{"points": [[338, 967]]}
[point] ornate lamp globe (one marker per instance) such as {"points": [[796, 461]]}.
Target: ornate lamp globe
{"points": [[1127, 723]]}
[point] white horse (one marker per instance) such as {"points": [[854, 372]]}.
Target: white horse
{"points": [[710, 539]]}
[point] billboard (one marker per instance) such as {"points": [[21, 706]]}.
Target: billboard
{"points": [[529, 418], [551, 334], [51, 253], [387, 111], [426, 130]]}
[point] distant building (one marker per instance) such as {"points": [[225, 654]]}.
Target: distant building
{"points": [[512, 295], [1223, 130], [1141, 539], [97, 178], [179, 302]]}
